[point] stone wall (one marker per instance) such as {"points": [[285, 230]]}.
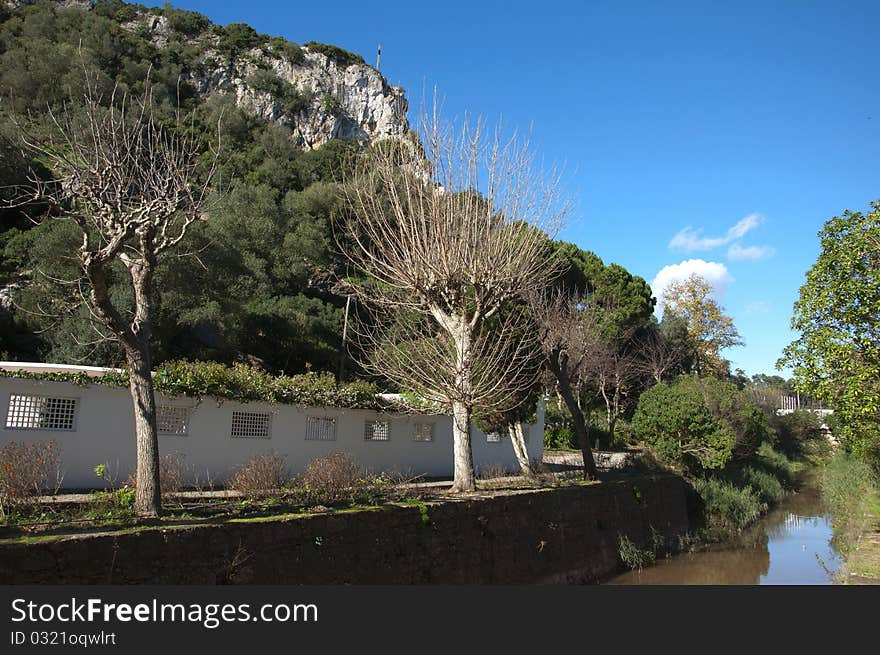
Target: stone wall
{"points": [[567, 535]]}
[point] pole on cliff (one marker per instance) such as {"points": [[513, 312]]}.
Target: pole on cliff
{"points": [[378, 56]]}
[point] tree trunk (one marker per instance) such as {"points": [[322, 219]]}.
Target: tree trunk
{"points": [[577, 416], [148, 493], [518, 439], [463, 457], [463, 475]]}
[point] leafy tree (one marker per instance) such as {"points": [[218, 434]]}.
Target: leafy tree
{"points": [[710, 330], [837, 356], [699, 423]]}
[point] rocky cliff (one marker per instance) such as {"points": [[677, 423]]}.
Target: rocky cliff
{"points": [[320, 92]]}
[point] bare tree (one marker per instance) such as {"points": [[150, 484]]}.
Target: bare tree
{"points": [[657, 355], [568, 331], [450, 233], [616, 371], [133, 187]]}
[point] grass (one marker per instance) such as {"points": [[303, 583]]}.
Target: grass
{"points": [[852, 494], [111, 512]]}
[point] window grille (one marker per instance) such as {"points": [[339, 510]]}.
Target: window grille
{"points": [[377, 430], [494, 437], [320, 428], [251, 425], [424, 432], [41, 413], [171, 419]]}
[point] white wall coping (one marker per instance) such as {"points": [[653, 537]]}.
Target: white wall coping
{"points": [[39, 367]]}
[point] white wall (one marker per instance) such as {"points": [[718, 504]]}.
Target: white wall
{"points": [[104, 434]]}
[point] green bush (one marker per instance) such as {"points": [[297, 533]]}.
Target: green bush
{"points": [[766, 485], [185, 22], [238, 382], [798, 433], [558, 437], [287, 49], [343, 58], [727, 508], [699, 423]]}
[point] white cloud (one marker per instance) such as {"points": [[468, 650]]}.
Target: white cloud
{"points": [[715, 273], [690, 239], [758, 307], [737, 252]]}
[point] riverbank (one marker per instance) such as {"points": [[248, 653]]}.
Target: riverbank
{"points": [[790, 545], [852, 492]]}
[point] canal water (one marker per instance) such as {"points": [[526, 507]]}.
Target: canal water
{"points": [[789, 546]]}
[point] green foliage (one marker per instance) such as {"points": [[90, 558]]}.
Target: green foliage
{"points": [[343, 58], [799, 433], [699, 423], [238, 37], [287, 49], [254, 286], [331, 103], [846, 484], [767, 486], [727, 507], [837, 357], [238, 382], [675, 420], [188, 23], [632, 556], [625, 299]]}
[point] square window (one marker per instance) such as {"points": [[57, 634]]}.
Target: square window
{"points": [[171, 419], [320, 428], [41, 413], [378, 430], [251, 425], [423, 432]]}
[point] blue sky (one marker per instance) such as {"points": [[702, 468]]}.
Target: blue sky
{"points": [[720, 132]]}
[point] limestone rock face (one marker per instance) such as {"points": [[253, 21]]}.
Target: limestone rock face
{"points": [[318, 97]]}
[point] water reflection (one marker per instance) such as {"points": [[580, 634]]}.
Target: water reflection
{"points": [[791, 545]]}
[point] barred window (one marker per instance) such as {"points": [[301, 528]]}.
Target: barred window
{"points": [[320, 428], [494, 437], [251, 425], [424, 432], [171, 419], [41, 413], [377, 430]]}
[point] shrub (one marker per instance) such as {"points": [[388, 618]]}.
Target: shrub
{"points": [[188, 23], [331, 104], [492, 471], [726, 507], [170, 475], [332, 478], [287, 49], [766, 485], [699, 423], [27, 471], [632, 556], [343, 58], [261, 475], [798, 433], [237, 37], [559, 437]]}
